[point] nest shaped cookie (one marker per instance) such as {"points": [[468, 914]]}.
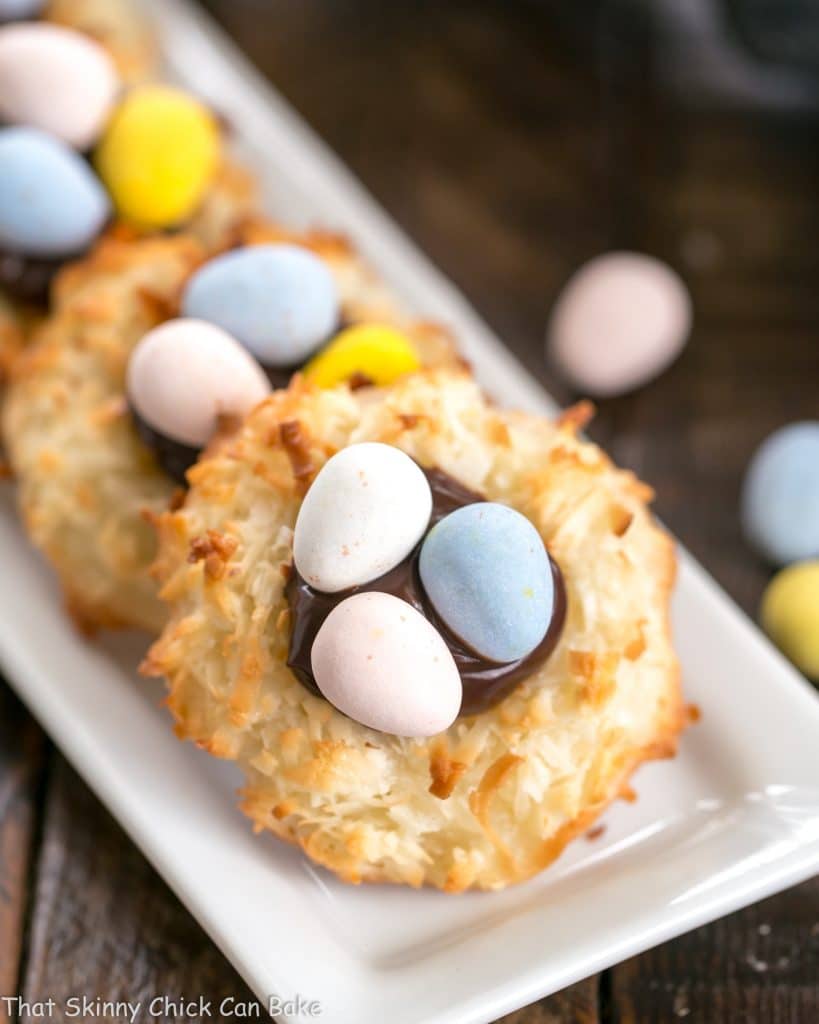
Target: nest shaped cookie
{"points": [[497, 796], [86, 485], [89, 489]]}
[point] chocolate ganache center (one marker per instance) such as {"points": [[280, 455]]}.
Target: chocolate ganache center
{"points": [[485, 683], [28, 278], [175, 457]]}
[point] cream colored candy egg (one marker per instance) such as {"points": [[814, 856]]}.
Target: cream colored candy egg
{"points": [[57, 80], [384, 665], [365, 511], [185, 374], [619, 322]]}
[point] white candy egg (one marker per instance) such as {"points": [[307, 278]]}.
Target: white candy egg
{"points": [[365, 511], [57, 80], [184, 374], [382, 663], [620, 321]]}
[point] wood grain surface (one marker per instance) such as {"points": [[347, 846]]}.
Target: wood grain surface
{"points": [[22, 773], [512, 140]]}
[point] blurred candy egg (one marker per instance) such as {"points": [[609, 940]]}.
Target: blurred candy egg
{"points": [[56, 79], [185, 374], [780, 496], [384, 665], [790, 615], [375, 351], [50, 202], [365, 511], [158, 154], [280, 301], [488, 576], [16, 10], [619, 322]]}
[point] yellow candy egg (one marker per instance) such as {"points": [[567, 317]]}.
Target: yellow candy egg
{"points": [[790, 614], [378, 352], [158, 155]]}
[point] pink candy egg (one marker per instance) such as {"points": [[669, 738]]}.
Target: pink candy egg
{"points": [[186, 373], [384, 665], [57, 80], [620, 321]]}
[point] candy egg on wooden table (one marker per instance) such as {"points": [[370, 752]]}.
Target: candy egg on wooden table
{"points": [[790, 614], [280, 301], [17, 10], [780, 496], [158, 155], [375, 352], [487, 574], [365, 511], [621, 320], [384, 665], [51, 204], [182, 377], [57, 80]]}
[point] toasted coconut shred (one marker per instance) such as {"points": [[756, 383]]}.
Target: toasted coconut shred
{"points": [[496, 797]]}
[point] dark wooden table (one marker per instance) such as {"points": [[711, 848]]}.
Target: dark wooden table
{"points": [[512, 140]]}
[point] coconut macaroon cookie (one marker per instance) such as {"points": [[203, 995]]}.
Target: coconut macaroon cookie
{"points": [[150, 350], [434, 634], [86, 485]]}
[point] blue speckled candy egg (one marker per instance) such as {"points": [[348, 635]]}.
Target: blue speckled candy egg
{"points": [[16, 10], [51, 204], [780, 498], [280, 301], [487, 574]]}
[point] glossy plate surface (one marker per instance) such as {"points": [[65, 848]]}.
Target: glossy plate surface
{"points": [[734, 818]]}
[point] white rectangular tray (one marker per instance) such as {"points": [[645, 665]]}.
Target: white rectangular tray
{"points": [[734, 818]]}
